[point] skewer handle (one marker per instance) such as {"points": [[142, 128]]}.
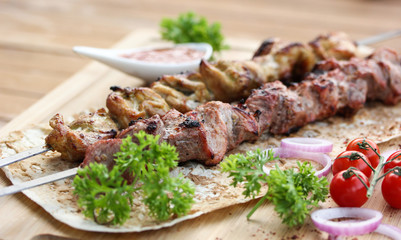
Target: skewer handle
{"points": [[23, 155], [37, 182]]}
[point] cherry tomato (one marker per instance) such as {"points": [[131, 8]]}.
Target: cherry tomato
{"points": [[348, 159], [396, 161], [361, 145], [391, 188], [347, 190]]}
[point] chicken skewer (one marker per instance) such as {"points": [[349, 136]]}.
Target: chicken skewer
{"points": [[99, 125], [335, 87]]}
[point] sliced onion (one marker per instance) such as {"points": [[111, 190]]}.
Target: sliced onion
{"points": [[320, 158], [370, 220], [307, 144], [389, 230]]}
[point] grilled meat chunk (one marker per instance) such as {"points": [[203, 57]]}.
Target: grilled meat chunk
{"points": [[336, 87], [336, 44], [390, 63], [129, 104], [103, 152], [288, 63], [204, 134], [182, 92], [231, 80], [381, 71], [153, 125], [240, 125], [72, 140]]}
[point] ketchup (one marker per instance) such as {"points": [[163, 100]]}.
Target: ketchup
{"points": [[178, 54]]}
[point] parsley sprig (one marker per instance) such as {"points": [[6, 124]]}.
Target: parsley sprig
{"points": [[106, 197], [294, 193], [189, 27]]}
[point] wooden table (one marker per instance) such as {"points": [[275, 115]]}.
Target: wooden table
{"points": [[36, 38]]}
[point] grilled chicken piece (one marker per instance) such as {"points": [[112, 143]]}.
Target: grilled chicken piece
{"points": [[128, 104], [231, 80], [182, 92], [72, 140], [269, 47], [336, 44], [291, 63]]}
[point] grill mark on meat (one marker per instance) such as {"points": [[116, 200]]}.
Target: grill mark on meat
{"points": [[189, 123], [151, 127]]}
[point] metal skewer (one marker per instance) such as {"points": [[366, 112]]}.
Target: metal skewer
{"points": [[38, 182], [379, 37], [71, 172], [23, 155]]}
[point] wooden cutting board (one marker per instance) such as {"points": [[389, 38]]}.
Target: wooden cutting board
{"points": [[20, 218]]}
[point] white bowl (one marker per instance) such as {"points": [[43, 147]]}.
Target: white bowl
{"points": [[148, 71]]}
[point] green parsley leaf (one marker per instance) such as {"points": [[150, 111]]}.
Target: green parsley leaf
{"points": [[189, 27], [248, 169], [151, 162], [294, 193], [165, 196], [104, 195]]}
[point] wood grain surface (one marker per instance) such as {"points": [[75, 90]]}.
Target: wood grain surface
{"points": [[40, 75]]}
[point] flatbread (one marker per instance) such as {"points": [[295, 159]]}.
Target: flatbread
{"points": [[213, 191]]}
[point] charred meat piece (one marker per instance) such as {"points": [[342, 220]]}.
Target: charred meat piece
{"points": [[72, 140], [129, 104], [182, 92], [189, 137]]}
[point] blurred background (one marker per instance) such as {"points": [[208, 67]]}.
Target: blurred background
{"points": [[36, 37]]}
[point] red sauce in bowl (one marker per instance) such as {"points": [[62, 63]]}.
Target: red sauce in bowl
{"points": [[178, 54]]}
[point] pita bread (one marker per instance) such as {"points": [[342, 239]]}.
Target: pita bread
{"points": [[213, 191]]}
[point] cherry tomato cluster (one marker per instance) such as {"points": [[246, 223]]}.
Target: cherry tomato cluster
{"points": [[353, 168]]}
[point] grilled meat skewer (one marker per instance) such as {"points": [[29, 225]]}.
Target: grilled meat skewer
{"points": [[187, 91], [208, 132]]}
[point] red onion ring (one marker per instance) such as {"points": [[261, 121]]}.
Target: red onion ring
{"points": [[321, 158], [389, 230], [307, 144], [370, 220]]}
